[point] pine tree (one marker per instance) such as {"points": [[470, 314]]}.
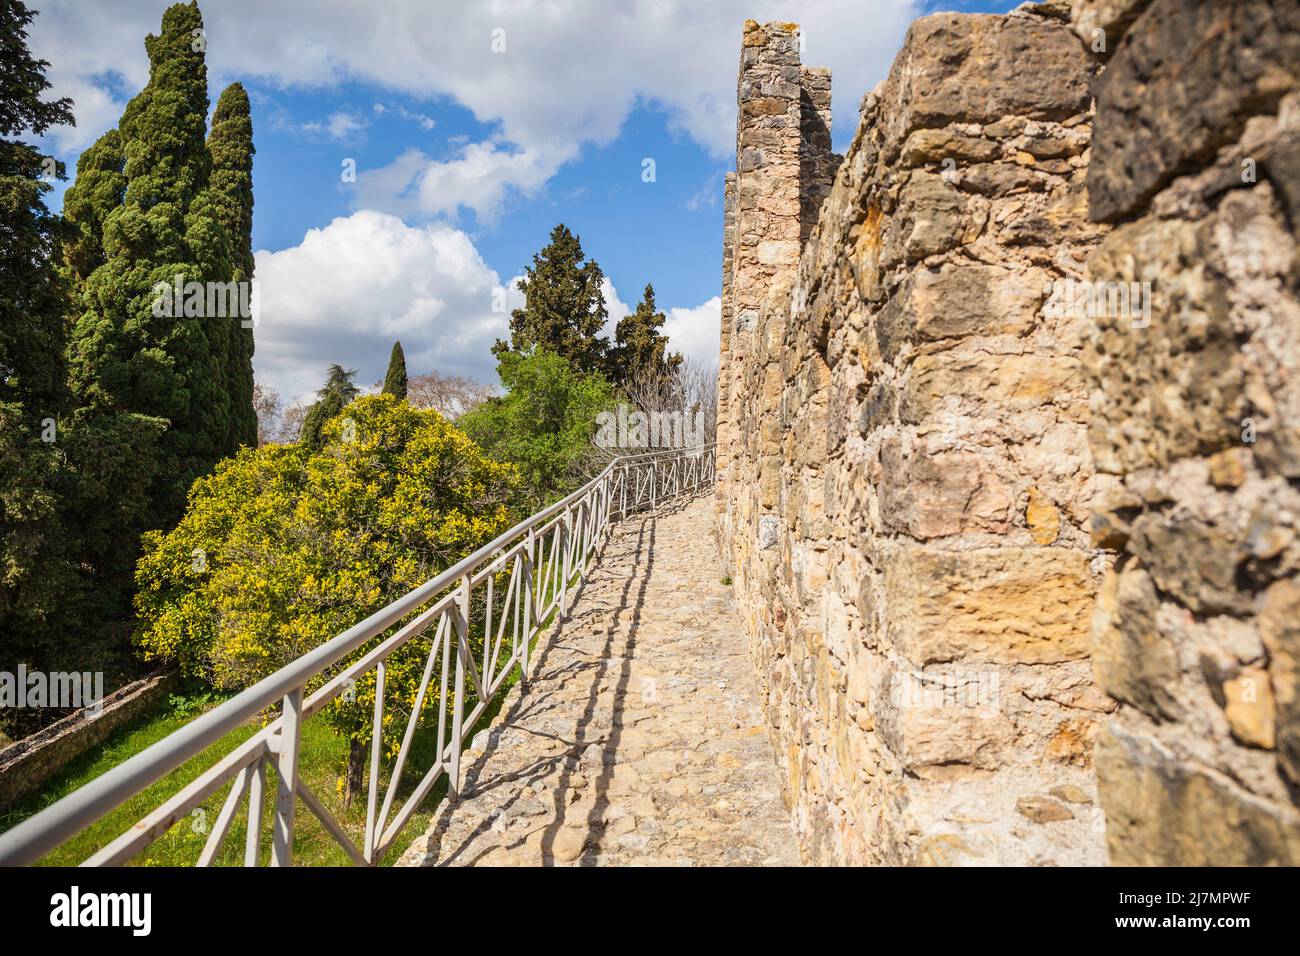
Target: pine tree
{"points": [[231, 146], [336, 394], [564, 306], [395, 377], [640, 351]]}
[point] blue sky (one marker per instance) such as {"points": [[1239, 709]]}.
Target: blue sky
{"points": [[468, 153]]}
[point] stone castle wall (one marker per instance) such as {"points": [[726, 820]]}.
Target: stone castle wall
{"points": [[914, 436], [1196, 159]]}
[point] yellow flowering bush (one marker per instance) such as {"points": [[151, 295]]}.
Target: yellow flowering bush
{"points": [[282, 548]]}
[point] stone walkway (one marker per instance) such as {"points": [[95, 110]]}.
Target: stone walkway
{"points": [[638, 739]]}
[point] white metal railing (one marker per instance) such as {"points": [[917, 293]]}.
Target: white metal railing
{"points": [[546, 555]]}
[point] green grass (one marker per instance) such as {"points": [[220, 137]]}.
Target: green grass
{"points": [[322, 759], [321, 763]]}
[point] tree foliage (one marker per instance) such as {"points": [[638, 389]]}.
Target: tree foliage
{"points": [[284, 547], [640, 350], [337, 392], [32, 299], [564, 306], [38, 577], [545, 421], [230, 144], [173, 219], [395, 378], [166, 393]]}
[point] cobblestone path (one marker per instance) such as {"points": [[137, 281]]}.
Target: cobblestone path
{"points": [[638, 738]]}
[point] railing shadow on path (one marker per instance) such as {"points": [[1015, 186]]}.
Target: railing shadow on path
{"points": [[530, 704]]}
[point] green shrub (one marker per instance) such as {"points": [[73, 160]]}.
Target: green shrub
{"points": [[282, 548]]}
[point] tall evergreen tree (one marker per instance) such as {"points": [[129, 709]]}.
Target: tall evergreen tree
{"points": [[640, 351], [395, 378], [336, 394], [158, 389], [564, 306], [126, 357], [32, 298], [35, 575], [99, 188], [231, 146]]}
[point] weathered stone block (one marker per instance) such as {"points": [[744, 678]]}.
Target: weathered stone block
{"points": [[1191, 559], [1011, 382], [1165, 810], [1164, 105], [1188, 348], [965, 298], [1133, 661], [935, 145], [956, 68], [930, 218], [999, 605], [930, 496]]}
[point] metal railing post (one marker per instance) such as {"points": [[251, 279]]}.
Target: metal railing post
{"points": [[286, 797], [458, 708], [564, 565], [376, 742], [253, 836], [528, 608]]}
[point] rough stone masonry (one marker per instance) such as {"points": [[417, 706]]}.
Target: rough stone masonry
{"points": [[1008, 436]]}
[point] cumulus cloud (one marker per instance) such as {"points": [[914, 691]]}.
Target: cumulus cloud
{"points": [[350, 289], [561, 74], [695, 332], [478, 178]]}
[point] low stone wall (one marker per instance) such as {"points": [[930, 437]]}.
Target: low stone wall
{"points": [[1196, 157], [26, 764]]}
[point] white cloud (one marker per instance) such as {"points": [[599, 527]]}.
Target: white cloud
{"points": [[695, 332], [692, 331], [424, 122], [341, 126], [479, 178], [352, 288], [570, 73]]}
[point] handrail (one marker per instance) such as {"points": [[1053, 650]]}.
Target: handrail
{"points": [[577, 525]]}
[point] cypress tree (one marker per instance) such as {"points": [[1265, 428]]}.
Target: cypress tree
{"points": [[99, 188], [564, 306], [151, 381], [335, 395], [640, 349], [231, 146], [395, 378], [126, 357]]}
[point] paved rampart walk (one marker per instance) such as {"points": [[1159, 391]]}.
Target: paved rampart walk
{"points": [[639, 738]]}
